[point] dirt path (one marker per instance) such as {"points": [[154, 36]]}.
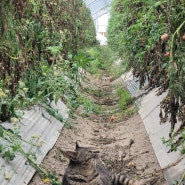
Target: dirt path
{"points": [[124, 145]]}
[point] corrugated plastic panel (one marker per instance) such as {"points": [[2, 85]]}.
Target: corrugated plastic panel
{"points": [[35, 122]]}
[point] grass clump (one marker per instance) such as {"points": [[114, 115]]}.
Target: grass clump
{"points": [[102, 59], [125, 98]]}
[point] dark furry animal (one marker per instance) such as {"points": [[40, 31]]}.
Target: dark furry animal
{"points": [[83, 169]]}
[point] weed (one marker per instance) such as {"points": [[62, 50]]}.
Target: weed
{"points": [[98, 109], [129, 112], [125, 98], [117, 69], [68, 124], [95, 92], [103, 59], [87, 105]]}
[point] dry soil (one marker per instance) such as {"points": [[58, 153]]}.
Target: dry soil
{"points": [[123, 142]]}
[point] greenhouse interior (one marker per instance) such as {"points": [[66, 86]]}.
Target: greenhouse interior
{"points": [[92, 92]]}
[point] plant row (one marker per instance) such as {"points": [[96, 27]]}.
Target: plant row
{"points": [[149, 36], [38, 44], [41, 45]]}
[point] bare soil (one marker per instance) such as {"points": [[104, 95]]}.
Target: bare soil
{"points": [[123, 143]]}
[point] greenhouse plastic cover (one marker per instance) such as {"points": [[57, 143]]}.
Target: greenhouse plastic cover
{"points": [[98, 7], [35, 122], [172, 163]]}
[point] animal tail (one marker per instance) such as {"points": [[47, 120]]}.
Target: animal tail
{"points": [[118, 179]]}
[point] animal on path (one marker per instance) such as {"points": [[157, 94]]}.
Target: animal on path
{"points": [[84, 170]]}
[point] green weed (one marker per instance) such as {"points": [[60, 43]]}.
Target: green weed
{"points": [[103, 59], [125, 98]]}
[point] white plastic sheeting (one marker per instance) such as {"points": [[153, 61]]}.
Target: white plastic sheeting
{"points": [[102, 39], [36, 122], [98, 7], [173, 163]]}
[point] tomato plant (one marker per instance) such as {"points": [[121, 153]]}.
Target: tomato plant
{"points": [[149, 37], [40, 43]]}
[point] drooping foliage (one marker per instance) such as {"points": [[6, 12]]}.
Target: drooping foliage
{"points": [[40, 56], [39, 39], [134, 33]]}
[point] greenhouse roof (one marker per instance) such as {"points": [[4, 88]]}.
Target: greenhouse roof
{"points": [[98, 7]]}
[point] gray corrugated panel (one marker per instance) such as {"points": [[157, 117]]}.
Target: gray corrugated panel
{"points": [[133, 88], [32, 124], [129, 87], [135, 83], [175, 173]]}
